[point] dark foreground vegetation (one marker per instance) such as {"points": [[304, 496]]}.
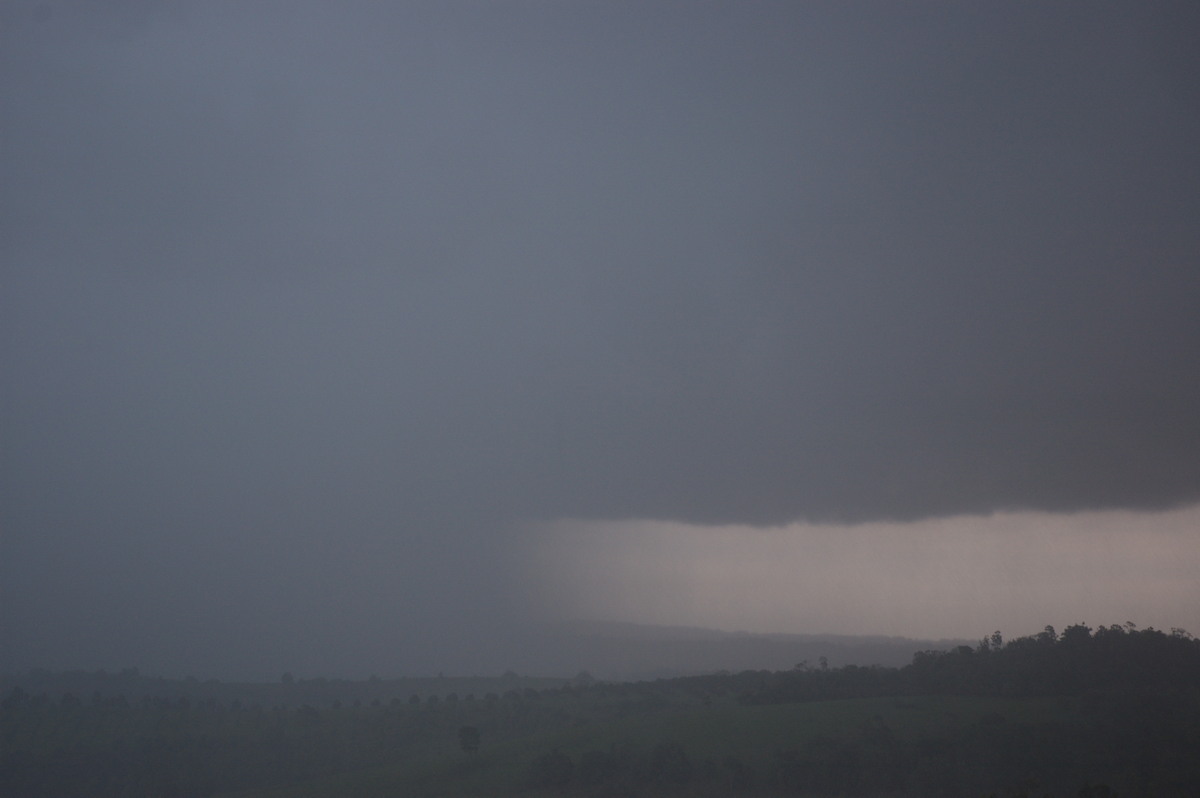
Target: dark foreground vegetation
{"points": [[1110, 711]]}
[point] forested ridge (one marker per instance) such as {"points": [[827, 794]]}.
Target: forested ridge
{"points": [[1112, 710]]}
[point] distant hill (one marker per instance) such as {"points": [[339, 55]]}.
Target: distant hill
{"points": [[629, 651], [546, 658]]}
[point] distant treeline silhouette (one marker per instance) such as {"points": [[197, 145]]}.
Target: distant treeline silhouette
{"points": [[1116, 703], [1078, 661]]}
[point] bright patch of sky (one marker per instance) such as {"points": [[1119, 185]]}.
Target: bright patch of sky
{"points": [[961, 576]]}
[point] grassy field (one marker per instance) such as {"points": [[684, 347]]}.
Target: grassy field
{"points": [[707, 732]]}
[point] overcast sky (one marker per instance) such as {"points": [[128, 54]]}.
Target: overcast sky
{"points": [[326, 327]]}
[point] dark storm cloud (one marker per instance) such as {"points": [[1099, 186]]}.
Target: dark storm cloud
{"points": [[305, 304]]}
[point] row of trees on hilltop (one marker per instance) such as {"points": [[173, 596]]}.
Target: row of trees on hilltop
{"points": [[1078, 661]]}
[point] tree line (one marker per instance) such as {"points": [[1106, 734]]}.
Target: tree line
{"points": [[1078, 661], [1133, 696]]}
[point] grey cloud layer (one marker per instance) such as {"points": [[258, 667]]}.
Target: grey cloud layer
{"points": [[280, 273]]}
